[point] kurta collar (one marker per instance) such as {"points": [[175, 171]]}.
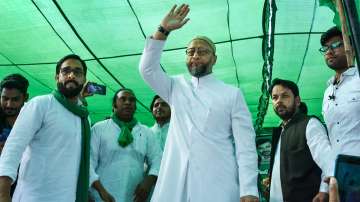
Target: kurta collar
{"points": [[204, 80], [349, 72], [157, 126]]}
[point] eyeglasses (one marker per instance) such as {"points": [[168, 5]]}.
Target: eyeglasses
{"points": [[332, 46], [199, 51], [67, 71]]}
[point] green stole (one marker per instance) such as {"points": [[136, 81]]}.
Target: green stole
{"points": [[83, 178], [125, 137]]}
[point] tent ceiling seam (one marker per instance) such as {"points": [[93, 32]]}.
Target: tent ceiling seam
{"points": [[67, 45], [308, 42], [141, 28], [167, 50], [231, 43], [25, 72], [90, 51]]}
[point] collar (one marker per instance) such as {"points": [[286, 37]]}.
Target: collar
{"points": [[164, 126], [349, 72], [204, 80]]}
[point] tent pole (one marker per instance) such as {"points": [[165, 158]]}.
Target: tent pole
{"points": [[353, 19]]}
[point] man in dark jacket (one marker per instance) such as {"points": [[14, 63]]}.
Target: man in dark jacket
{"points": [[299, 149]]}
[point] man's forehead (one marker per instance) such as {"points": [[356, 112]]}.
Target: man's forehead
{"points": [[198, 43], [10, 92], [72, 63], [333, 39], [125, 93]]}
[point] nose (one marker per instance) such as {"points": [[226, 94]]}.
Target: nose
{"points": [[8, 103]]}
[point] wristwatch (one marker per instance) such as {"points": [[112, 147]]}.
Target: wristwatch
{"points": [[163, 30]]}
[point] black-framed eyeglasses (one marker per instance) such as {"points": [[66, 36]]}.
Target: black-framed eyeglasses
{"points": [[199, 51], [66, 71], [332, 46]]}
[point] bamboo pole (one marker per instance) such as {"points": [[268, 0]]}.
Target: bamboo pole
{"points": [[345, 33]]}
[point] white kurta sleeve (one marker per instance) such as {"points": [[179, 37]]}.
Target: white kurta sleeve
{"points": [[28, 122], [94, 154], [244, 137], [320, 147], [151, 71], [154, 153]]}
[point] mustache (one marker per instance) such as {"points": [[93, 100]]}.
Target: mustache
{"points": [[71, 81]]}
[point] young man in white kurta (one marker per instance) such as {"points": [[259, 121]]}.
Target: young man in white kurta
{"points": [[47, 139], [341, 102], [210, 153]]}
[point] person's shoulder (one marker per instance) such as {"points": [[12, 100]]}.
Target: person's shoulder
{"points": [[101, 124], [42, 98]]}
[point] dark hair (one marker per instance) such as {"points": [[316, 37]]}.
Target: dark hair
{"points": [[262, 141], [15, 81], [303, 108], [71, 56], [286, 83], [334, 31], [153, 102], [118, 91]]}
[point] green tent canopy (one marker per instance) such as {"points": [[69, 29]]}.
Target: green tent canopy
{"points": [[110, 36]]}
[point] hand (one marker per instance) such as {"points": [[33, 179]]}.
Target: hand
{"points": [[106, 196], [321, 197], [175, 19], [249, 198], [5, 185], [333, 190], [142, 192], [84, 92]]}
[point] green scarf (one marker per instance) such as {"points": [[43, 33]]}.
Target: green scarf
{"points": [[83, 178], [125, 138]]}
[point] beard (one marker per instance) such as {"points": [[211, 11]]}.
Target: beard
{"points": [[198, 71], [10, 112], [337, 63], [287, 112], [69, 92]]}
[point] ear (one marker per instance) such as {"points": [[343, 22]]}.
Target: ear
{"points": [[297, 101], [214, 59], [57, 77], [26, 97]]}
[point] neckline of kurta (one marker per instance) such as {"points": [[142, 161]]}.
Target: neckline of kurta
{"points": [[349, 72], [196, 82]]}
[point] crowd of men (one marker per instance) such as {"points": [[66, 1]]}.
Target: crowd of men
{"points": [[201, 147]]}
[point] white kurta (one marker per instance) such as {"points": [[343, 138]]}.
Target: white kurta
{"points": [[161, 133], [210, 153], [320, 149], [120, 169], [342, 114], [47, 139]]}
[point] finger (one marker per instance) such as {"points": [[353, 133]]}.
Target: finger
{"points": [[185, 12], [184, 9], [333, 191], [184, 22], [178, 10], [172, 10]]}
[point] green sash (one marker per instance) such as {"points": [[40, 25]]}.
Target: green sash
{"points": [[125, 138], [83, 178]]}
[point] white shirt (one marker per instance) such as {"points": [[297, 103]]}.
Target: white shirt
{"points": [[210, 153], [121, 169], [320, 149], [342, 114], [47, 139], [161, 133]]}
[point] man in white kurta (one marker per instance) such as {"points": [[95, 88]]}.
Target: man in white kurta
{"points": [[121, 169], [161, 113], [210, 152], [341, 102], [47, 139]]}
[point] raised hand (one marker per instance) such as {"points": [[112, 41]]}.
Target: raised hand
{"points": [[176, 18]]}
